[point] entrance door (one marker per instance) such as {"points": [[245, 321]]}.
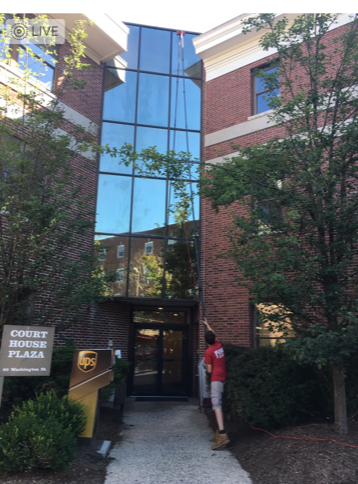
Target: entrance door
{"points": [[160, 361]]}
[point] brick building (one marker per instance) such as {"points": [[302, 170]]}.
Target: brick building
{"points": [[234, 113], [135, 94]]}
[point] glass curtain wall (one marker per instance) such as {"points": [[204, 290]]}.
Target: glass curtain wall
{"points": [[152, 98]]}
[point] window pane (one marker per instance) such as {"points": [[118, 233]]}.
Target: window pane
{"points": [[146, 270], [178, 142], [153, 100], [192, 62], [149, 206], [39, 69], [147, 137], [181, 272], [111, 263], [131, 56], [113, 204], [260, 84], [177, 214], [116, 135], [155, 50], [119, 96], [165, 317], [40, 50], [261, 103], [193, 104]]}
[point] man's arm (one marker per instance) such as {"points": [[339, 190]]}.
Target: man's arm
{"points": [[207, 324], [209, 368]]}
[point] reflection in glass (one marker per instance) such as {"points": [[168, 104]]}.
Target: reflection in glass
{"points": [[113, 259], [181, 210], [159, 316], [178, 142], [172, 372], [116, 135], [181, 271], [119, 96], [149, 206], [148, 137], [155, 50], [146, 361], [193, 104], [146, 269], [262, 100], [42, 65], [153, 100], [131, 56], [113, 204], [192, 62]]}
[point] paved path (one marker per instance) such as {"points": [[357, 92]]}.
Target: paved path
{"points": [[167, 443]]}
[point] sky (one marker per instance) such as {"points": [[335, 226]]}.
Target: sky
{"points": [[189, 15]]}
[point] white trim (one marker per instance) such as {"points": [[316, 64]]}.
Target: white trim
{"points": [[225, 48], [259, 122], [48, 97]]}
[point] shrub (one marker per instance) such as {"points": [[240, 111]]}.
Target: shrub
{"points": [[49, 406], [41, 434], [268, 388], [18, 389], [121, 370]]}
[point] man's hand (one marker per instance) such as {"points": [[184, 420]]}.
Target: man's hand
{"points": [[206, 324]]}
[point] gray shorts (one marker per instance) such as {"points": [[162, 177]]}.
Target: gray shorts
{"points": [[216, 394]]}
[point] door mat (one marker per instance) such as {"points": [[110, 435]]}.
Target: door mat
{"points": [[161, 399]]}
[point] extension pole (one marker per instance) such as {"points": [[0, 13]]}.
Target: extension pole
{"points": [[201, 295]]}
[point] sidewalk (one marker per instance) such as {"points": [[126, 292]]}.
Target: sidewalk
{"points": [[168, 443]]}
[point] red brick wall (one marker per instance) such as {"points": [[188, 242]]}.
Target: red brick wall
{"points": [[227, 101]]}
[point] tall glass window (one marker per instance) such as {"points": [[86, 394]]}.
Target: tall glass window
{"points": [[141, 233]]}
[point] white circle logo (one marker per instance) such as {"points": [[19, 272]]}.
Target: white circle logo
{"points": [[19, 31]]}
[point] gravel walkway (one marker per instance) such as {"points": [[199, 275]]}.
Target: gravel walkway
{"points": [[167, 443]]}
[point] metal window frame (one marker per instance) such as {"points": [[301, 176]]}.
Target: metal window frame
{"points": [[169, 128]]}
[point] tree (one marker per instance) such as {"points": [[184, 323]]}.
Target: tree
{"points": [[48, 273], [296, 246]]}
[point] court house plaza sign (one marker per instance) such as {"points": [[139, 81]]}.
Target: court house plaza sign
{"points": [[26, 350]]}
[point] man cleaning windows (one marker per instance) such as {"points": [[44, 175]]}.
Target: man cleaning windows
{"points": [[215, 364]]}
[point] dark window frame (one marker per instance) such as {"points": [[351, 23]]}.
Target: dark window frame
{"points": [[254, 77]]}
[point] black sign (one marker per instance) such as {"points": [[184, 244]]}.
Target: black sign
{"points": [[26, 351]]}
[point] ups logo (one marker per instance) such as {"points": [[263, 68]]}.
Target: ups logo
{"points": [[87, 360]]}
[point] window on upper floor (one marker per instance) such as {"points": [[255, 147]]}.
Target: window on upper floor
{"points": [[40, 59], [262, 92]]}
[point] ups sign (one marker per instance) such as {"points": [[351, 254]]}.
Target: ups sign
{"points": [[87, 360]]}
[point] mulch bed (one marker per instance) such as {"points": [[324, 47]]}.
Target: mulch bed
{"points": [[269, 460], [88, 467]]}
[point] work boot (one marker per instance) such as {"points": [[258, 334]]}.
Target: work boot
{"points": [[214, 437], [222, 439]]}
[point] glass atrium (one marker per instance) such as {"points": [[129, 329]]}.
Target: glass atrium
{"points": [[150, 99]]}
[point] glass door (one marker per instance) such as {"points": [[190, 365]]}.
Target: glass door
{"points": [[172, 367], [160, 356], [146, 351]]}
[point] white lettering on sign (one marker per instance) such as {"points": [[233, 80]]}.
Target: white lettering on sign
{"points": [[29, 334], [14, 343], [26, 354]]}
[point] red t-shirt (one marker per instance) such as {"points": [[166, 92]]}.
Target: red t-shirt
{"points": [[215, 356]]}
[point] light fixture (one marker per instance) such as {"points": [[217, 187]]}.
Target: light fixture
{"points": [[160, 308], [175, 315]]}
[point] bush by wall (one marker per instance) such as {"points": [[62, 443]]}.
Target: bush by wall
{"points": [[121, 370], [18, 389], [267, 388], [42, 433]]}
